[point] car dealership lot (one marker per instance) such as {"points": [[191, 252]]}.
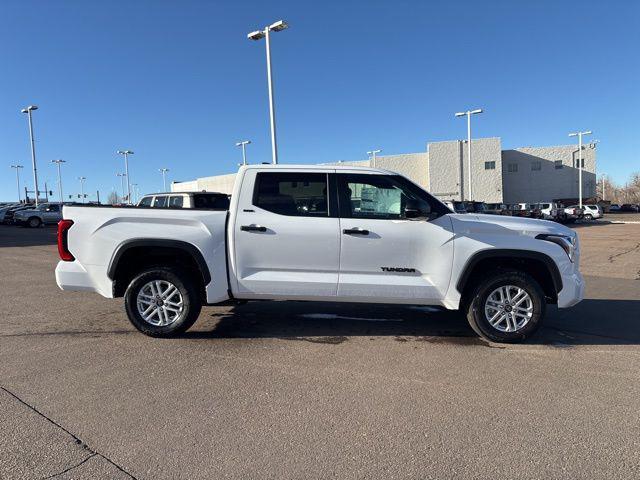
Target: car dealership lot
{"points": [[304, 390]]}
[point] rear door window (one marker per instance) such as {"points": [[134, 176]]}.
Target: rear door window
{"points": [[295, 194], [145, 202], [160, 201]]}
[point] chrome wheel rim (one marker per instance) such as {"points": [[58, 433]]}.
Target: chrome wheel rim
{"points": [[508, 308], [160, 303]]}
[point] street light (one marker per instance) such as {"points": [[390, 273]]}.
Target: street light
{"points": [[58, 162], [243, 144], [257, 35], [28, 111], [122, 175], [603, 177], [82, 179], [164, 171], [468, 113], [135, 192], [126, 154], [372, 154], [579, 135], [18, 167]]}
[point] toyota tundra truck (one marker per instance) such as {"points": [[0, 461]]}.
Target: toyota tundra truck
{"points": [[321, 233]]}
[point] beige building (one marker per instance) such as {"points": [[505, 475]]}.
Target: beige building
{"points": [[526, 174]]}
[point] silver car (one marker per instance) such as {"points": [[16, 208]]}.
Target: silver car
{"points": [[46, 213]]}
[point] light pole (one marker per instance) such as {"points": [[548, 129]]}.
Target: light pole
{"points": [[372, 154], [257, 35], [243, 144], [468, 113], [135, 192], [58, 162], [579, 135], [122, 175], [18, 167], [164, 171], [126, 154], [28, 111], [82, 179]]}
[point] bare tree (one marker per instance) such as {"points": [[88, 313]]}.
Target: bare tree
{"points": [[113, 198]]}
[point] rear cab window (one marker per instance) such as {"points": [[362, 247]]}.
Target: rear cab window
{"points": [[211, 201], [176, 201]]}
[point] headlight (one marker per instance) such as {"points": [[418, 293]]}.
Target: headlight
{"points": [[566, 242]]}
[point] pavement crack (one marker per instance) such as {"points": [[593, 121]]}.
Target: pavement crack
{"points": [[66, 470], [632, 249], [77, 439]]}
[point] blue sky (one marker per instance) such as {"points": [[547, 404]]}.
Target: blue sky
{"points": [[179, 83]]}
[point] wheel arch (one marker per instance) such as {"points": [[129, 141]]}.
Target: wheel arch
{"points": [[539, 265], [132, 255]]}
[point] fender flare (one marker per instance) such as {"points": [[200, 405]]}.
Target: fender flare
{"points": [[510, 253], [191, 249]]}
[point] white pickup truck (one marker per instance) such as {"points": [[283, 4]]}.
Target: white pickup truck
{"points": [[321, 233]]}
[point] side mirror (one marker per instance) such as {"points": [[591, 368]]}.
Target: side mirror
{"points": [[414, 209]]}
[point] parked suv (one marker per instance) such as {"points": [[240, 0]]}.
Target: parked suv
{"points": [[476, 207], [591, 212], [197, 200], [45, 213], [550, 210]]}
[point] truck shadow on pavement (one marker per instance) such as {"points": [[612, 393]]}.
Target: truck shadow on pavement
{"points": [[592, 322]]}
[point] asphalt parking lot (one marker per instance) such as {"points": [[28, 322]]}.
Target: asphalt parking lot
{"points": [[305, 390]]}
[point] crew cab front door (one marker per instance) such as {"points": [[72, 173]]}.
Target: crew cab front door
{"points": [[396, 245], [286, 236]]}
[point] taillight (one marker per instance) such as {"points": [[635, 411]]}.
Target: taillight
{"points": [[63, 248]]}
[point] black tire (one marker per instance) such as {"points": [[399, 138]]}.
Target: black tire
{"points": [[34, 222], [588, 217], [475, 305], [191, 303]]}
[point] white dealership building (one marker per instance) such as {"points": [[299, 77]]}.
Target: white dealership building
{"points": [[525, 174]]}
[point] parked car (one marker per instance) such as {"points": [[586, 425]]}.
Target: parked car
{"points": [[593, 211], [5, 208], [528, 210], [629, 207], [475, 207], [549, 210], [284, 238], [573, 213], [455, 206], [45, 213], [614, 208], [497, 209], [197, 200], [9, 214]]}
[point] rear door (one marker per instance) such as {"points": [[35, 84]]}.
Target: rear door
{"points": [[286, 240], [385, 256]]}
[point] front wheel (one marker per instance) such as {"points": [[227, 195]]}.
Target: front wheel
{"points": [[34, 222], [588, 217], [162, 302], [506, 306]]}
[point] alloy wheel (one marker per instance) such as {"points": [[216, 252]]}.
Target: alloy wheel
{"points": [[160, 303], [508, 308]]}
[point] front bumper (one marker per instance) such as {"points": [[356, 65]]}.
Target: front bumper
{"points": [[572, 290]]}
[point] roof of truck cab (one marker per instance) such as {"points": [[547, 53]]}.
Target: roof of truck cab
{"points": [[318, 167]]}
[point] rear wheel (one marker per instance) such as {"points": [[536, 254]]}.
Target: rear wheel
{"points": [[162, 302], [588, 216], [34, 222], [506, 306]]}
